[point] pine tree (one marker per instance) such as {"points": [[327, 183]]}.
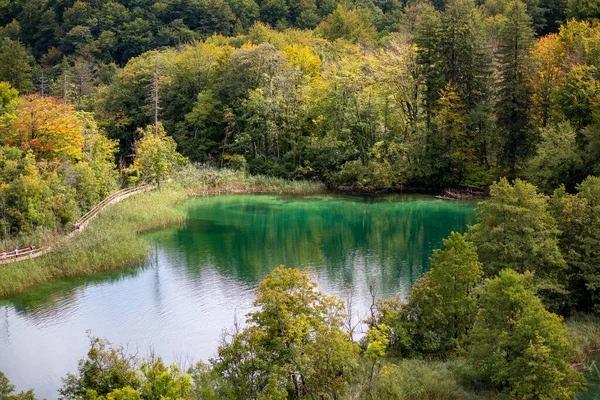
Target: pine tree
{"points": [[515, 230], [428, 29], [513, 107], [15, 65]]}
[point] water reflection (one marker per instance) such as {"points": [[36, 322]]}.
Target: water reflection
{"points": [[389, 240], [202, 273]]}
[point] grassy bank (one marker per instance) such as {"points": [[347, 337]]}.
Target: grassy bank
{"points": [[584, 331], [111, 241]]}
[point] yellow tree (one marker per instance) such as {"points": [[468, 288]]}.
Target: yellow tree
{"points": [[451, 121], [47, 126], [156, 154], [547, 54]]}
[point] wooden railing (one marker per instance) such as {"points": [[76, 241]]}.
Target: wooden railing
{"points": [[113, 198], [23, 254], [31, 252]]}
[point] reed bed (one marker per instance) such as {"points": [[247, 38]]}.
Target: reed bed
{"points": [[584, 332]]}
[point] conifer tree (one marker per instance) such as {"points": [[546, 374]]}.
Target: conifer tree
{"points": [[513, 108], [515, 230], [518, 346]]}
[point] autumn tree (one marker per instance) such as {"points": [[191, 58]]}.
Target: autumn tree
{"points": [[48, 127]]}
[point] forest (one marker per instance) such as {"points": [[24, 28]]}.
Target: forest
{"points": [[500, 96]]}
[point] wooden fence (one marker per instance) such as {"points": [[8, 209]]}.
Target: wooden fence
{"points": [[31, 252]]}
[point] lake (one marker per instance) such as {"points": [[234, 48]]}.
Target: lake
{"points": [[200, 276]]}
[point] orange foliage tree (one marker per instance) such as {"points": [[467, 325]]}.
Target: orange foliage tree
{"points": [[48, 127]]}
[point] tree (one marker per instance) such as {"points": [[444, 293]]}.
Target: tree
{"points": [[451, 121], [557, 160], [514, 102], [582, 9], [519, 347], [354, 25], [156, 154], [515, 230], [7, 390], [441, 307], [8, 99], [47, 126], [428, 31], [578, 217], [577, 95], [293, 346], [109, 373], [15, 65]]}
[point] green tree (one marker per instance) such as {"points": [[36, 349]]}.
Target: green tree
{"points": [[557, 160], [578, 217], [428, 37], [441, 307], [354, 25], [577, 95], [293, 346], [7, 390], [519, 347], [516, 230], [156, 154], [15, 65], [109, 373], [583, 9], [514, 101]]}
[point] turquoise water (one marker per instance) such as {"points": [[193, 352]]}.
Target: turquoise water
{"points": [[200, 276]]}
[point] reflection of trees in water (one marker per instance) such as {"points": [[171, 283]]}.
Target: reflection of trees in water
{"points": [[49, 302], [247, 236]]}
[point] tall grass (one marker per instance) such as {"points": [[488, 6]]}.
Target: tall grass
{"points": [[111, 240], [584, 331], [413, 379], [204, 181]]}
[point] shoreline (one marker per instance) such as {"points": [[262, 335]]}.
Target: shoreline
{"points": [[112, 241]]}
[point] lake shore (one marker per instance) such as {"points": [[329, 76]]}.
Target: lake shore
{"points": [[112, 240]]}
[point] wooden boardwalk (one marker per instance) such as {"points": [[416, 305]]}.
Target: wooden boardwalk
{"points": [[29, 253]]}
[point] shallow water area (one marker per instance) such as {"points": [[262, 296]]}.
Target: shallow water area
{"points": [[200, 276], [593, 379]]}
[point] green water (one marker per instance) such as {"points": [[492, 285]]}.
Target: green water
{"points": [[347, 240], [593, 378], [200, 275]]}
